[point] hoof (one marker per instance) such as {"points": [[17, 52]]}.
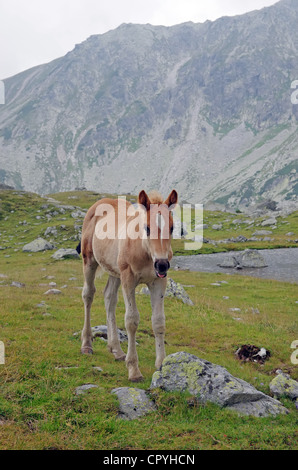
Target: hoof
{"points": [[87, 350], [120, 358], [137, 379]]}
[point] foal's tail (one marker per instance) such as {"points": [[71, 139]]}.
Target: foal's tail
{"points": [[78, 248]]}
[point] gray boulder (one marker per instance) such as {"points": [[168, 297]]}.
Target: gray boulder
{"points": [[133, 403], [66, 253], [38, 245], [246, 259], [209, 382], [229, 262], [252, 259]]}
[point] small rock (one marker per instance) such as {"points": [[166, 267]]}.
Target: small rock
{"points": [[260, 233], [84, 388], [17, 284], [78, 214], [239, 239], [283, 386], [173, 289], [217, 226], [255, 311], [42, 304], [101, 331], [267, 222], [53, 292], [66, 253], [66, 368], [133, 403]]}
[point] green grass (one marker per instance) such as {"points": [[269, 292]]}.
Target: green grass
{"points": [[279, 237], [38, 405]]}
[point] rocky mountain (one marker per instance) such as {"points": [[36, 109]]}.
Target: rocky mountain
{"points": [[205, 108]]}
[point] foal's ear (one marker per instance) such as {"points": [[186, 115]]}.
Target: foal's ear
{"points": [[144, 200], [172, 200]]}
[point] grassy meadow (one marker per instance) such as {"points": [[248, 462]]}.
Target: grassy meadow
{"points": [[43, 365]]}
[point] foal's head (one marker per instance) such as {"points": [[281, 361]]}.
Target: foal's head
{"points": [[158, 228]]}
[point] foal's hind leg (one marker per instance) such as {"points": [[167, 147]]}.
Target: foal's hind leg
{"points": [[111, 296], [90, 266]]}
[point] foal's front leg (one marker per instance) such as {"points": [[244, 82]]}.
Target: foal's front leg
{"points": [[157, 291], [132, 318], [90, 267], [111, 295]]}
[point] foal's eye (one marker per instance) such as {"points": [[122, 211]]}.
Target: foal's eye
{"points": [[147, 229]]}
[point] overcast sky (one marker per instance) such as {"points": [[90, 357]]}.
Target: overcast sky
{"points": [[34, 32]]}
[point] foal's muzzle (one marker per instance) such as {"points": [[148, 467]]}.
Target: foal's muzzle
{"points": [[161, 267]]}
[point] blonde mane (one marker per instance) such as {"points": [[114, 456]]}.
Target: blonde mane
{"points": [[155, 197]]}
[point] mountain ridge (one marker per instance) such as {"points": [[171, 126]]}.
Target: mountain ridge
{"points": [[203, 107]]}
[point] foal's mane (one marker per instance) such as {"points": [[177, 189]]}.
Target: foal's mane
{"points": [[155, 197]]}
